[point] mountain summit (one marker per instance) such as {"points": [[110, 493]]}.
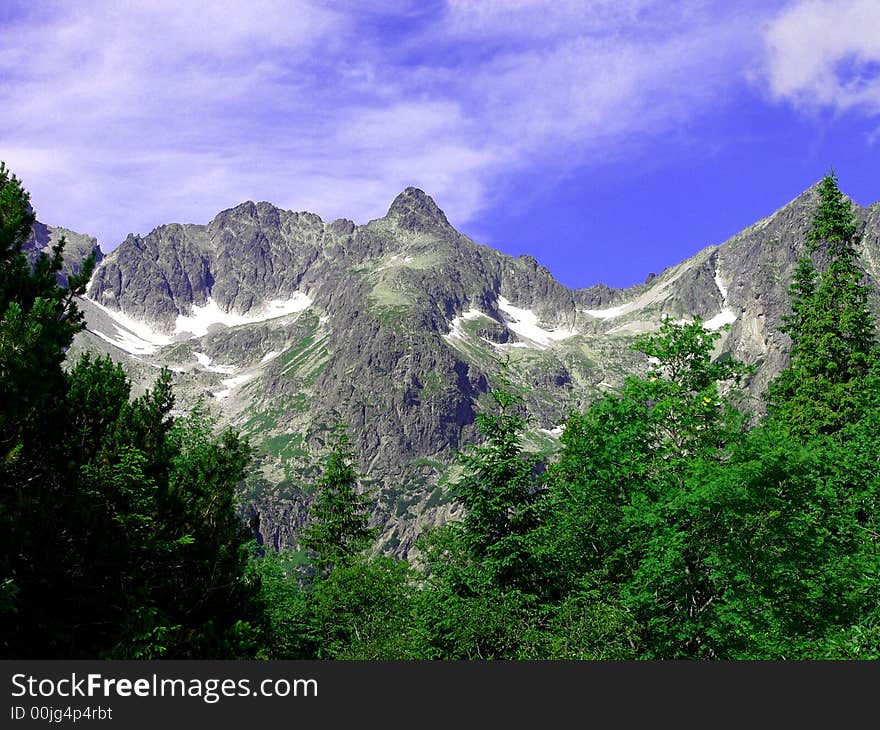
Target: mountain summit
{"points": [[415, 210]]}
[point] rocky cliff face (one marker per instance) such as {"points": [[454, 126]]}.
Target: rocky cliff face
{"points": [[283, 324], [77, 248]]}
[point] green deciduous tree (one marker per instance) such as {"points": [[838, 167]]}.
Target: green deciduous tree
{"points": [[635, 446], [627, 523]]}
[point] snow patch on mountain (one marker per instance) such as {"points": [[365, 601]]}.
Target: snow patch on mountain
{"points": [[231, 384], [132, 336], [726, 315], [722, 287], [205, 361], [524, 322], [555, 431], [395, 260], [611, 312], [456, 331], [201, 318]]}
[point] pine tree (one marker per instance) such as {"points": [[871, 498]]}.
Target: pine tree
{"points": [[484, 571], [500, 492], [38, 320], [338, 528], [830, 325], [118, 534]]}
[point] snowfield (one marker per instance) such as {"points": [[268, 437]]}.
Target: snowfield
{"points": [[132, 336], [524, 322], [201, 318]]}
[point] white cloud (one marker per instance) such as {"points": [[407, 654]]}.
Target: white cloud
{"points": [[826, 54], [573, 83], [119, 117], [536, 20]]}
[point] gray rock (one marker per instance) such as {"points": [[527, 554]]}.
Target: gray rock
{"points": [[77, 248]]}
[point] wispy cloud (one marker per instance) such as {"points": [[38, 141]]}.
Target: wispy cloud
{"points": [[826, 54], [121, 116]]}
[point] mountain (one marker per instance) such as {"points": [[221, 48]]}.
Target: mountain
{"points": [[281, 324], [77, 248]]}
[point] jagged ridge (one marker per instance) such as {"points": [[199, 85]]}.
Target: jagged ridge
{"points": [[396, 326]]}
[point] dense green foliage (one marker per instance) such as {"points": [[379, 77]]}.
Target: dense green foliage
{"points": [[118, 534], [671, 525], [341, 603]]}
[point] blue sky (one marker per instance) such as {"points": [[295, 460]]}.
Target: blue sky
{"points": [[608, 138]]}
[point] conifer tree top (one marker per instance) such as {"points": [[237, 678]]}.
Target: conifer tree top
{"points": [[834, 223]]}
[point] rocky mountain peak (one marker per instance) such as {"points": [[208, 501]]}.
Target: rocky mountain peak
{"points": [[246, 211], [415, 210], [77, 248]]}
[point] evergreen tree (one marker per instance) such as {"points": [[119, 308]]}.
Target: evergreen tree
{"points": [[338, 527], [118, 535], [341, 603], [500, 492], [205, 586], [484, 571], [830, 325], [38, 320]]}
